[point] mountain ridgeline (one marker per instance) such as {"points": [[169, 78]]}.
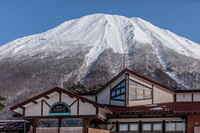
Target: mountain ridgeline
{"points": [[92, 50]]}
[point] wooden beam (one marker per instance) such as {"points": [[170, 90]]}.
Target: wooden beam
{"points": [[34, 102], [46, 103], [73, 103], [77, 107], [70, 96], [47, 97], [42, 107], [83, 101]]}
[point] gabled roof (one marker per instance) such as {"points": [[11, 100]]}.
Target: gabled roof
{"points": [[126, 70], [59, 90], [161, 108]]}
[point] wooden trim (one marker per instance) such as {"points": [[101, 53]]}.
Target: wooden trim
{"points": [[192, 98], [46, 103], [73, 103], [97, 110], [110, 95], [59, 96], [140, 126], [127, 89], [78, 107], [34, 102], [152, 94], [67, 116], [42, 107], [95, 98], [174, 97], [46, 97], [163, 126]]}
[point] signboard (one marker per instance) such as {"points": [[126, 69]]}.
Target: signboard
{"points": [[59, 108]]}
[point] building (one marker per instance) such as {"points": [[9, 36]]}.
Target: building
{"points": [[127, 103]]}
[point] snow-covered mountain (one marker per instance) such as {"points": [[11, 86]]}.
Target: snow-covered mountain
{"points": [[93, 49]]}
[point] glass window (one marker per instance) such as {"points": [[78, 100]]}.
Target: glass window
{"points": [[147, 92], [179, 126], [123, 97], [132, 83], [133, 127], [77, 122], [67, 122], [113, 93], [157, 127], [123, 84], [111, 127], [139, 85], [43, 123], [53, 122], [132, 96], [118, 92], [146, 127], [102, 126], [170, 126], [132, 90], [122, 90], [123, 127], [139, 91], [140, 97]]}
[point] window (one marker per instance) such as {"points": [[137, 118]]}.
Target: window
{"points": [[71, 122], [174, 126], [138, 91], [118, 92], [134, 127], [123, 127], [48, 123], [146, 127]]}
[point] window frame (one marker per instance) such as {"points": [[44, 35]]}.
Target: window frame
{"points": [[138, 94], [115, 89]]}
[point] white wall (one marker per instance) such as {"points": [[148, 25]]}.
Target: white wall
{"points": [[140, 102], [117, 103], [196, 97], [102, 113], [86, 108], [184, 97], [161, 95]]}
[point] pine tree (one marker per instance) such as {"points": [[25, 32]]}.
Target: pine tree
{"points": [[1, 104]]}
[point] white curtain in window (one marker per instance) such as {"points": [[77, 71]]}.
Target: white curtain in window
{"points": [[179, 126], [157, 127], [170, 126], [123, 127], [146, 127], [133, 127]]}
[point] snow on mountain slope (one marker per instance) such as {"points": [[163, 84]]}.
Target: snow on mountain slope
{"points": [[100, 32], [93, 49]]}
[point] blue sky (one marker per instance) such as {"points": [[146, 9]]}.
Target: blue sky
{"points": [[19, 18]]}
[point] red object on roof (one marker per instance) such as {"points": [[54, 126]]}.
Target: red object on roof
{"points": [[161, 108]]}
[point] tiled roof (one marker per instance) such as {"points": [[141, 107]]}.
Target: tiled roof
{"points": [[161, 108]]}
